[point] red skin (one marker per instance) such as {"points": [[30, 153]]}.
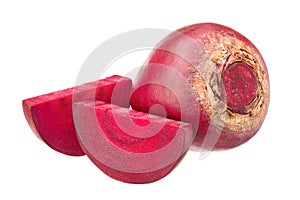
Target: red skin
{"points": [[50, 115], [131, 146], [181, 75]]}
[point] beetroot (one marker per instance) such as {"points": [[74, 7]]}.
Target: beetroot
{"points": [[208, 75], [50, 116], [130, 146]]}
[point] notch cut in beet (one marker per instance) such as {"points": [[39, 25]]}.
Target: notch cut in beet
{"points": [[50, 115], [128, 145]]}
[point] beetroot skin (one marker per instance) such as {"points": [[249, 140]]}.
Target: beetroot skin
{"points": [[50, 116], [208, 75], [130, 146]]}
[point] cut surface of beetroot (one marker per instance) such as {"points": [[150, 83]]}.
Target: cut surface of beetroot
{"points": [[128, 145], [50, 115], [240, 86]]}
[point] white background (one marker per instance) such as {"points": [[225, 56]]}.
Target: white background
{"points": [[43, 46]]}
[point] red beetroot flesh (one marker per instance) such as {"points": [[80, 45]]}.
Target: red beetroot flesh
{"points": [[208, 75], [130, 146], [239, 83], [50, 115]]}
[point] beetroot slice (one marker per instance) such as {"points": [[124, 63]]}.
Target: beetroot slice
{"points": [[128, 145], [50, 115]]}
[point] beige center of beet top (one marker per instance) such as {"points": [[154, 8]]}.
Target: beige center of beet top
{"points": [[239, 86]]}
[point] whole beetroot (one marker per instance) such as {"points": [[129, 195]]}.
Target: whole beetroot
{"points": [[208, 75]]}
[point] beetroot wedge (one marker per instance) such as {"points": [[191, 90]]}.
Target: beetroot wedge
{"points": [[50, 116], [128, 145]]}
